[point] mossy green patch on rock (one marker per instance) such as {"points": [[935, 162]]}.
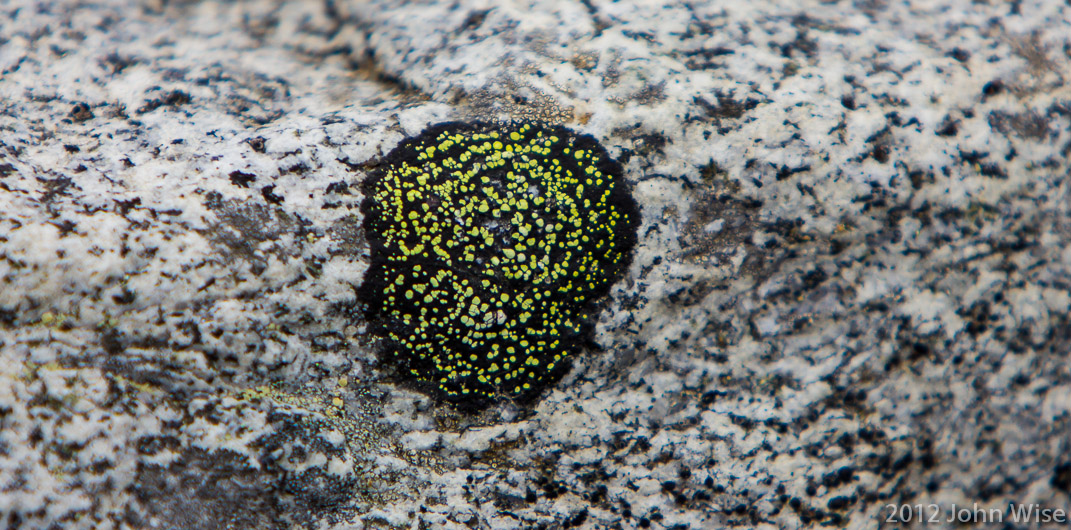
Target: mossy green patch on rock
{"points": [[491, 245]]}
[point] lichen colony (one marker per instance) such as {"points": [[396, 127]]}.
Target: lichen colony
{"points": [[491, 246]]}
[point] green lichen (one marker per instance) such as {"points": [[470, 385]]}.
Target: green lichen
{"points": [[276, 457], [491, 246]]}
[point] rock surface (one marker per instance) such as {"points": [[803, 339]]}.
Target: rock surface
{"points": [[851, 287]]}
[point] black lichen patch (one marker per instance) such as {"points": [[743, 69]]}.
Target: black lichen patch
{"points": [[491, 246]]}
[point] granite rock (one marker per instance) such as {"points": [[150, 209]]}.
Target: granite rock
{"points": [[851, 286]]}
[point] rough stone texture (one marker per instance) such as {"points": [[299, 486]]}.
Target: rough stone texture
{"points": [[851, 288]]}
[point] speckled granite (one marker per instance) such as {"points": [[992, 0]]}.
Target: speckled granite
{"points": [[851, 287]]}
